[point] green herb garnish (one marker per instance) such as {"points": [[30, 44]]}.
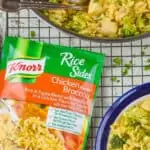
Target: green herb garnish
{"points": [[114, 79], [32, 34], [125, 72], [147, 67], [143, 53], [127, 68]]}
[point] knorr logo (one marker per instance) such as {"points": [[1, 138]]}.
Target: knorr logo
{"points": [[75, 63], [25, 67]]}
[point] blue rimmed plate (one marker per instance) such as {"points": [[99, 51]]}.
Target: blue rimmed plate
{"points": [[126, 100]]}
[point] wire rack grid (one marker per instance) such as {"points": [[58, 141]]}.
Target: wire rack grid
{"points": [[25, 22]]}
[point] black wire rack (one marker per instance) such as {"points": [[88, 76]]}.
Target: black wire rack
{"points": [[25, 22]]}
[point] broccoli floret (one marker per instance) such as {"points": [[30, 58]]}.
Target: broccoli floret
{"points": [[129, 28], [78, 22], [125, 72], [140, 22], [59, 17], [117, 61], [127, 68], [116, 142], [131, 122], [138, 114]]}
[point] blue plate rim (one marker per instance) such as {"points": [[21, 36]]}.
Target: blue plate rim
{"points": [[145, 88]]}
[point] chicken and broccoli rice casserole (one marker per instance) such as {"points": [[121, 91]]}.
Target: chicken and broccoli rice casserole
{"points": [[131, 131], [105, 18]]}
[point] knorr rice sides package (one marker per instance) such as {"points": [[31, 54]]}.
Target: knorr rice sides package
{"points": [[47, 95]]}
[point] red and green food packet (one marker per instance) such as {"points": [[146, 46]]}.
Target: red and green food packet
{"points": [[50, 91]]}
